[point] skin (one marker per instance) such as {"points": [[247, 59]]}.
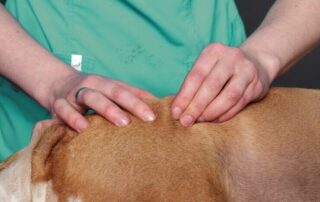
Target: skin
{"points": [[222, 81], [19, 52]]}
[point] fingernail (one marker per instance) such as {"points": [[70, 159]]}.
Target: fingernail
{"points": [[187, 120], [149, 116], [176, 111], [81, 125], [123, 121]]}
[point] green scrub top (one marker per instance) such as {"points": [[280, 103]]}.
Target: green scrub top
{"points": [[150, 44]]}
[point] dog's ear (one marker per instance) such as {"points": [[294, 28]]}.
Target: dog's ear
{"points": [[8, 161], [45, 147], [40, 126]]}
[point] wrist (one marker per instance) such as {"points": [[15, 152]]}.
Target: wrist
{"points": [[266, 60], [55, 85]]}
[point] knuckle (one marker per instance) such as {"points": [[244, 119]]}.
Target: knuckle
{"points": [[195, 109], [237, 53], [218, 46], [234, 95], [109, 110], [214, 83], [197, 75], [117, 93], [182, 101], [214, 48], [197, 106]]}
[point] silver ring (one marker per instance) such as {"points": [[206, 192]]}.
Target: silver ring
{"points": [[78, 93]]}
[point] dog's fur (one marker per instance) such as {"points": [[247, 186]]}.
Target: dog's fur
{"points": [[268, 152]]}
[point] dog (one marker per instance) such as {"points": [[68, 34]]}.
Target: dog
{"points": [[270, 151]]}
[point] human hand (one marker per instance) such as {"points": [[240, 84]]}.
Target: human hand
{"points": [[222, 81], [105, 96]]}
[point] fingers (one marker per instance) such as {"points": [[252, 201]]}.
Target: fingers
{"points": [[129, 101], [244, 100], [103, 103], [231, 96], [106, 97], [228, 97], [103, 106], [193, 81], [65, 111], [224, 86], [207, 92]]}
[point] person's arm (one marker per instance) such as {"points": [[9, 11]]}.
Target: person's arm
{"points": [[224, 80], [54, 85], [289, 31]]}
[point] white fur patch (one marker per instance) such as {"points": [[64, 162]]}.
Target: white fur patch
{"points": [[15, 180], [39, 192], [74, 199], [12, 197], [43, 192]]}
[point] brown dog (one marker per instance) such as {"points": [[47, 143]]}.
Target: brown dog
{"points": [[268, 152]]}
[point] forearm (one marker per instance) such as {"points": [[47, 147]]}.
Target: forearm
{"points": [[289, 31], [26, 63]]}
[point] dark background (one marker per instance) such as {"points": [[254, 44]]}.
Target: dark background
{"points": [[304, 74]]}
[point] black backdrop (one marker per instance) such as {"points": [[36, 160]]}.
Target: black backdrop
{"points": [[306, 73]]}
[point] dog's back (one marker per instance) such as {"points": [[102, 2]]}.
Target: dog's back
{"points": [[269, 152]]}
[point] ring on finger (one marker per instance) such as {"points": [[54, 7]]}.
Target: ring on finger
{"points": [[78, 93]]}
